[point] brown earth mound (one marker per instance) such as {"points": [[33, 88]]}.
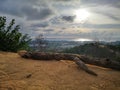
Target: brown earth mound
{"points": [[17, 73]]}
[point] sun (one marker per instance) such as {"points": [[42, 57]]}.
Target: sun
{"points": [[81, 15]]}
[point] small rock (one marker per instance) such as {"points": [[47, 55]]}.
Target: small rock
{"points": [[29, 75]]}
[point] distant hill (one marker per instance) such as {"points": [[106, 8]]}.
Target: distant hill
{"points": [[96, 50]]}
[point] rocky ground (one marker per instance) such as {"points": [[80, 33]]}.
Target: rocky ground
{"points": [[17, 73]]}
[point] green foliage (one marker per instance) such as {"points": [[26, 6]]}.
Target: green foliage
{"points": [[10, 37]]}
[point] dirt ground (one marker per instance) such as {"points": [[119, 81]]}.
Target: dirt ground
{"points": [[17, 73]]}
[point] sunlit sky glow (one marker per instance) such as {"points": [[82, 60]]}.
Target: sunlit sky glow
{"points": [[82, 39], [81, 15], [66, 19]]}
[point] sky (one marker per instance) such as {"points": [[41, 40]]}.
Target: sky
{"points": [[65, 19]]}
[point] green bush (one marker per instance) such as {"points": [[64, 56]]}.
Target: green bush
{"points": [[10, 37]]}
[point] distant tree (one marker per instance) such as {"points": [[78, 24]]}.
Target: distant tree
{"points": [[10, 37], [40, 43]]}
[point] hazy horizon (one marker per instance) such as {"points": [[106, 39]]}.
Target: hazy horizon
{"points": [[77, 39]]}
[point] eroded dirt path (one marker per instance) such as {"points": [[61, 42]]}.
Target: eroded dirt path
{"points": [[17, 73]]}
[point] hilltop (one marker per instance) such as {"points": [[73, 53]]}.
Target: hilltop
{"points": [[17, 73], [97, 50]]}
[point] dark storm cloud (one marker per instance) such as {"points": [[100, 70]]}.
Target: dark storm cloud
{"points": [[68, 18]]}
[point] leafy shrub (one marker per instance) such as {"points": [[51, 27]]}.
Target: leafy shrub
{"points": [[10, 37]]}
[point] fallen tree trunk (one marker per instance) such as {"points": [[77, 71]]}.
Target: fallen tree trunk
{"points": [[58, 56], [80, 61], [107, 63], [82, 65]]}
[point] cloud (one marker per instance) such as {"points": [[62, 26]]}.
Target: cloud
{"points": [[35, 14], [7, 8], [62, 0], [40, 25], [99, 26], [27, 9], [107, 11], [2, 2], [48, 30], [100, 2], [57, 16], [68, 18], [109, 15], [112, 16], [65, 0]]}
